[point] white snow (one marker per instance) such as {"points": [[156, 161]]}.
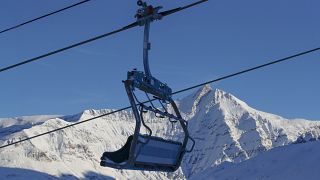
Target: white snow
{"points": [[293, 162], [225, 128]]}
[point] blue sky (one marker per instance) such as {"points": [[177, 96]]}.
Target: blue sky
{"points": [[214, 39]]}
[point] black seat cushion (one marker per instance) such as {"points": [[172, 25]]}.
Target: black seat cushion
{"points": [[120, 155]]}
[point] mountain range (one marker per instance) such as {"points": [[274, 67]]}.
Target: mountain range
{"points": [[228, 133]]}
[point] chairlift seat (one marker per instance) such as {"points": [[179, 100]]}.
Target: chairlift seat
{"points": [[151, 153], [121, 155]]}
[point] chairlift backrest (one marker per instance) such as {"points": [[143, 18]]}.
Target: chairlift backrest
{"points": [[157, 151]]}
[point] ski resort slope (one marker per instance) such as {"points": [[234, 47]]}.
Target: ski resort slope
{"points": [[293, 162], [225, 128]]}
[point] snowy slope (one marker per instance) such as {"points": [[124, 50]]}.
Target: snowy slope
{"points": [[294, 162], [224, 127]]}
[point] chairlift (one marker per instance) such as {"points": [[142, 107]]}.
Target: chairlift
{"points": [[147, 151]]}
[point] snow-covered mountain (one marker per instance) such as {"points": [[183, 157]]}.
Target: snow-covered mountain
{"points": [[225, 129]]}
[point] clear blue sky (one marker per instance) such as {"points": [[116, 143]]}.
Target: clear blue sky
{"points": [[214, 39]]}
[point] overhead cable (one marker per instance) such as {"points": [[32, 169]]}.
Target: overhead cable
{"points": [[43, 16]]}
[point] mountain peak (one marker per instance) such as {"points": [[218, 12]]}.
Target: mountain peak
{"points": [[206, 96], [202, 91], [223, 97], [206, 88], [189, 104]]}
